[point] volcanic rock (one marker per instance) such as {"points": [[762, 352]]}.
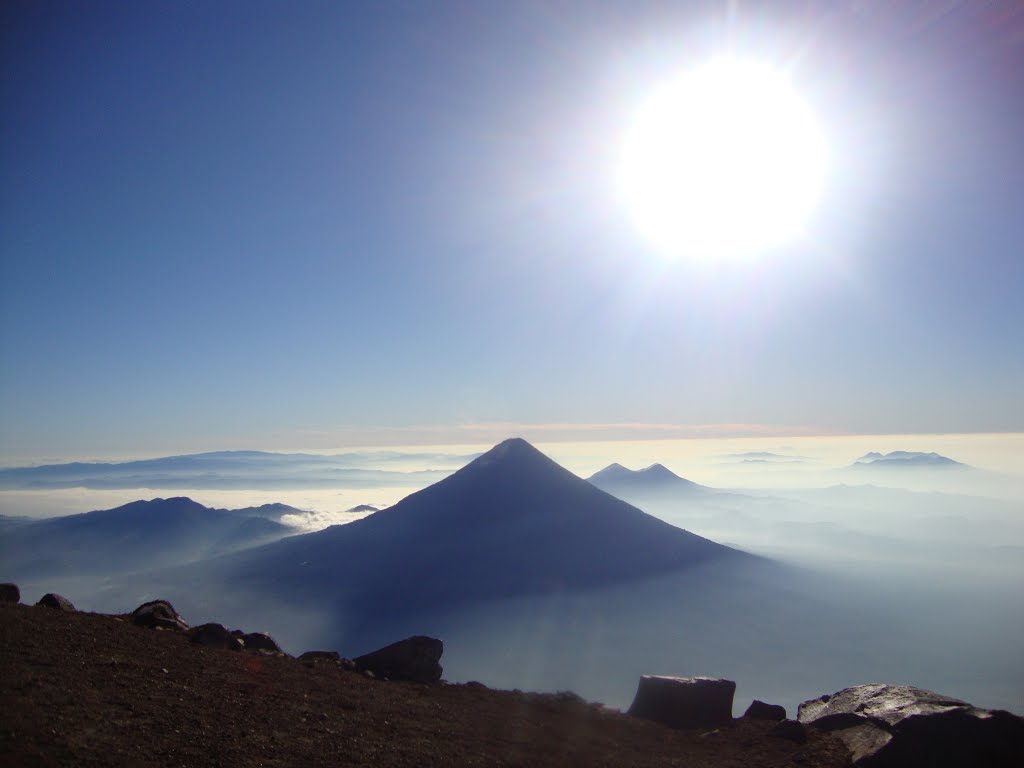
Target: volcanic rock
{"points": [[9, 593], [320, 656], [158, 613], [260, 641], [790, 730], [415, 658], [215, 636], [50, 600], [899, 725], [684, 702], [758, 710]]}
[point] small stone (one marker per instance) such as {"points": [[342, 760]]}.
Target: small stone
{"points": [[320, 656], [259, 641], [9, 593], [58, 602], [214, 636], [158, 614]]}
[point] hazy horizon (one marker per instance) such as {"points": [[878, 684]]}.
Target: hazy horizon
{"points": [[996, 461]]}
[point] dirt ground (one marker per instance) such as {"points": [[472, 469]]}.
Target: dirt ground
{"points": [[91, 690]]}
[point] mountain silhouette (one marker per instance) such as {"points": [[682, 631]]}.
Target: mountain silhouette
{"points": [[274, 511], [616, 478], [512, 522], [136, 536], [905, 459], [243, 470]]}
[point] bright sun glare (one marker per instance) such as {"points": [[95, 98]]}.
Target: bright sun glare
{"points": [[724, 160]]}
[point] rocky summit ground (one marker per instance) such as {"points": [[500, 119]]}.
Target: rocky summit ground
{"points": [[91, 690]]}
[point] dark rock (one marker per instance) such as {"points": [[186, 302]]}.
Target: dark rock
{"points": [[50, 600], [259, 641], [898, 725], [790, 730], [415, 658], [758, 710], [214, 636], [320, 656], [684, 702], [158, 614], [9, 593]]}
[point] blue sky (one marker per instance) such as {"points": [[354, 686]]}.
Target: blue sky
{"points": [[233, 223]]}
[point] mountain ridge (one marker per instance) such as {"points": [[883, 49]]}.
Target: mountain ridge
{"points": [[916, 459], [138, 535], [656, 477]]}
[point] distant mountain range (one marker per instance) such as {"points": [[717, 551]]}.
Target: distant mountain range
{"points": [[657, 477], [904, 460], [138, 536], [765, 457], [237, 469]]}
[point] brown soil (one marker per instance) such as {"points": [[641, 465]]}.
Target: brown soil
{"points": [[89, 690]]}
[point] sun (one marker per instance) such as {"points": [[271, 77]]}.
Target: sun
{"points": [[724, 160]]}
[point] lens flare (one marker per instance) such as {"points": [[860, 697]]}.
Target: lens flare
{"points": [[724, 160]]}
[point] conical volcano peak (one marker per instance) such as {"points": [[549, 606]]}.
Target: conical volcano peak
{"points": [[659, 470], [513, 446], [514, 451], [616, 477], [511, 522], [612, 472]]}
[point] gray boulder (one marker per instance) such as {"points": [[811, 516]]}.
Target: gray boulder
{"points": [[899, 725], [214, 636], [158, 614], [59, 602], [684, 702], [9, 593], [758, 710], [415, 658]]}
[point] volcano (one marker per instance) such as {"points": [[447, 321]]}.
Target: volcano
{"points": [[511, 522], [616, 479]]}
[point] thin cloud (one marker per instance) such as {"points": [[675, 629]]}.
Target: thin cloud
{"points": [[493, 432]]}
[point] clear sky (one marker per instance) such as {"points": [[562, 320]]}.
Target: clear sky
{"points": [[233, 224]]}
